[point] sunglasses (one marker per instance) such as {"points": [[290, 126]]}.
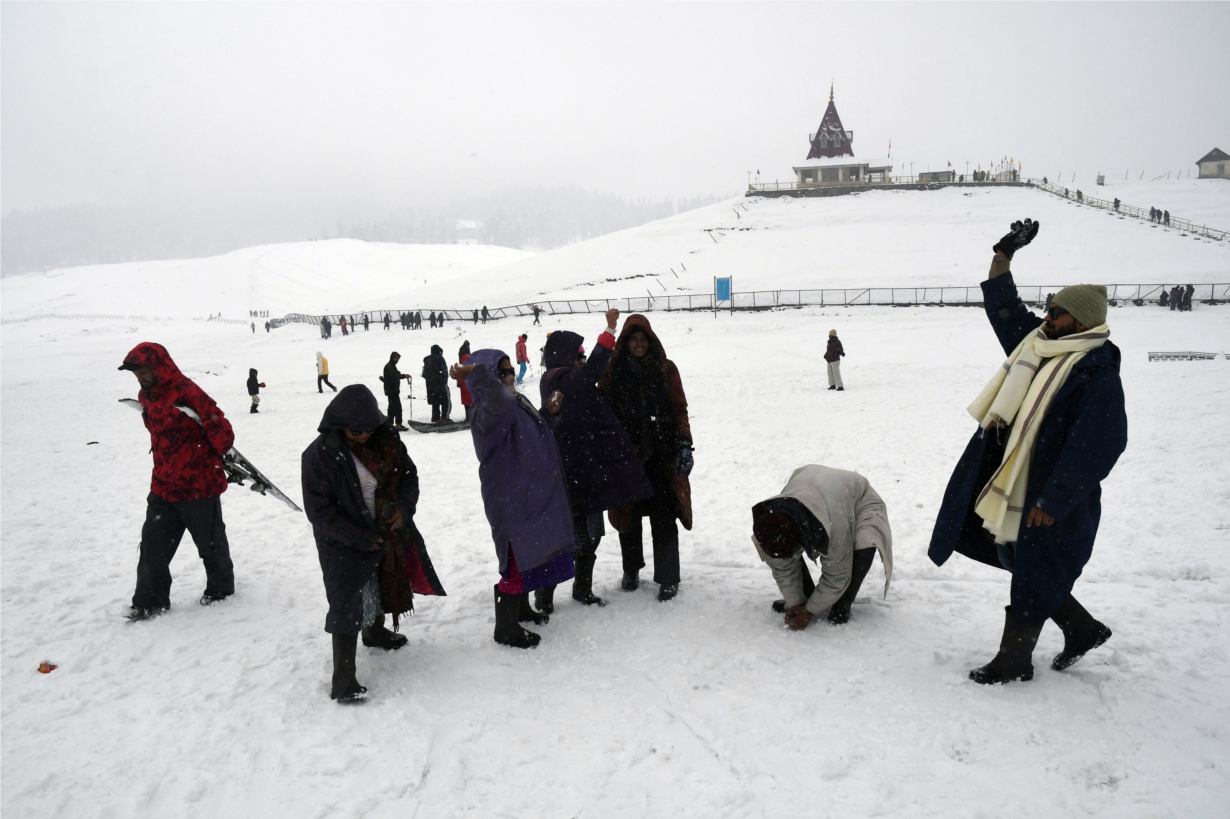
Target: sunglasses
{"points": [[506, 371], [1054, 312], [358, 432]]}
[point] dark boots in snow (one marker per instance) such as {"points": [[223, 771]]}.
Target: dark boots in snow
{"points": [[544, 599], [1081, 633], [377, 636], [667, 591], [345, 687], [1015, 658], [526, 613], [631, 581], [840, 611], [508, 631], [583, 583]]}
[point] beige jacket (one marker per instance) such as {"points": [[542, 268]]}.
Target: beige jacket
{"points": [[853, 516]]}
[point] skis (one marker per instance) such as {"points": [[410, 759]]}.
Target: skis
{"points": [[427, 426], [237, 468]]}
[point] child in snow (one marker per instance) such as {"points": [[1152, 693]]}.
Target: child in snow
{"points": [[254, 388], [522, 481]]}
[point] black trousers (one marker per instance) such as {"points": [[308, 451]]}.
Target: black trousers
{"points": [[661, 512], [586, 546], [395, 408], [164, 527], [324, 379]]}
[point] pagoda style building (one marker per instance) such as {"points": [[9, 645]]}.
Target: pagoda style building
{"points": [[826, 162]]}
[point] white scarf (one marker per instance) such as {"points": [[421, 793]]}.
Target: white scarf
{"points": [[1029, 381]]}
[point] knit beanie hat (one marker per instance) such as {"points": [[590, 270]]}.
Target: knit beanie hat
{"points": [[832, 332], [1086, 303], [778, 534]]}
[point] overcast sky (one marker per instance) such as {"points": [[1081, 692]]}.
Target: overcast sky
{"points": [[362, 107]]}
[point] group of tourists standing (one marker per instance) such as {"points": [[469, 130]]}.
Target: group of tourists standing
{"points": [[1178, 297], [611, 434], [1161, 217]]}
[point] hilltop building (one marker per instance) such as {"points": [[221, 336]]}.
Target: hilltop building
{"points": [[1213, 164], [468, 232], [830, 160]]}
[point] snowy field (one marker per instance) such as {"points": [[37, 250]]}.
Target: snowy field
{"points": [[876, 239], [701, 707]]}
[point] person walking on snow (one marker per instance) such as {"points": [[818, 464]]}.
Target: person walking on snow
{"points": [[829, 515], [467, 400], [832, 355], [643, 389], [342, 321], [485, 314], [1026, 494], [388, 320], [537, 312], [523, 490], [435, 373], [254, 389], [187, 483], [392, 390], [523, 358], [322, 373], [601, 468], [360, 493]]}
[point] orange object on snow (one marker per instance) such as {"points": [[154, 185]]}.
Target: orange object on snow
{"points": [[46, 668]]}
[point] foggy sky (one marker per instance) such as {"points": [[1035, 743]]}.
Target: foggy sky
{"points": [[357, 107]]}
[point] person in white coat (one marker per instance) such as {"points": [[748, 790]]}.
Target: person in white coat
{"points": [[829, 515]]}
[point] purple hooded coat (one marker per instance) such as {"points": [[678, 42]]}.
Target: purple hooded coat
{"points": [[520, 470]]}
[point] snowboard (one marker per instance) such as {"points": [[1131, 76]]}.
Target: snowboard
{"points": [[237, 468], [427, 426]]}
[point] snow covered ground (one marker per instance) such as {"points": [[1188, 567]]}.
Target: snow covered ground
{"points": [[876, 239], [701, 707], [306, 277]]}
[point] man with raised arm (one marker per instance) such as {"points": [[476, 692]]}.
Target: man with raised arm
{"points": [[1026, 494]]}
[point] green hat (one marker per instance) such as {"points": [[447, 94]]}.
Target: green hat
{"points": [[1086, 303]]}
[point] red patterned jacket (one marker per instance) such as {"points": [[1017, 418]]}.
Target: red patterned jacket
{"points": [[187, 454]]}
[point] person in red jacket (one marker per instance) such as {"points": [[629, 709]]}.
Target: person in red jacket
{"points": [[187, 484], [523, 358], [467, 400]]}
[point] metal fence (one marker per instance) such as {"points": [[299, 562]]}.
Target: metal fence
{"points": [[1128, 210]]}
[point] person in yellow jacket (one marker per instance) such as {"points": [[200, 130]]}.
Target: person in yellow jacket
{"points": [[322, 373]]}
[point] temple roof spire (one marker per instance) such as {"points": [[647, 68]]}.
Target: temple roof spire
{"points": [[830, 139]]}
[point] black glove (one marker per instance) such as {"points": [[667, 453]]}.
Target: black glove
{"points": [[1021, 234], [685, 459]]}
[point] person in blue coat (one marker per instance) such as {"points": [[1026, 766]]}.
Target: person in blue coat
{"points": [[601, 465], [522, 479], [1071, 428]]}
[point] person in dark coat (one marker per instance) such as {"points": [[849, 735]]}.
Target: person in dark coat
{"points": [[1188, 292], [476, 317], [187, 483], [524, 496], [1076, 440], [326, 327], [601, 466], [832, 356], [1164, 299], [1175, 300], [392, 390], [388, 320], [254, 389], [485, 314], [432, 318], [360, 493], [643, 389], [435, 373], [366, 321]]}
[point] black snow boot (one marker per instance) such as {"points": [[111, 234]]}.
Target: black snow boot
{"points": [[544, 599], [839, 614], [377, 636], [583, 583], [138, 613], [1015, 658], [526, 613], [667, 591], [254, 409], [508, 631], [1081, 633], [631, 581], [345, 687]]}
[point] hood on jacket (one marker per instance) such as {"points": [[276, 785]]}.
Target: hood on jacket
{"points": [[436, 349], [562, 349], [318, 356], [633, 323], [154, 356], [489, 359], [354, 408], [252, 372], [394, 356]]}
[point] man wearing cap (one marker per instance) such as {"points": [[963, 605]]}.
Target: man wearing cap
{"points": [[1026, 494], [830, 515], [188, 481]]}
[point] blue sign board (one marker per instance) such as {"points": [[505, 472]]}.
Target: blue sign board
{"points": [[723, 290]]}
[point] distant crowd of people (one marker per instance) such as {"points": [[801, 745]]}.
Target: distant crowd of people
{"points": [[1161, 217], [1178, 297]]}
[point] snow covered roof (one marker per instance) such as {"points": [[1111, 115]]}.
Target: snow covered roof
{"points": [[844, 162]]}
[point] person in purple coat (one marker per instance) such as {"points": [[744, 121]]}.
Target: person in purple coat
{"points": [[601, 467], [526, 502]]}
